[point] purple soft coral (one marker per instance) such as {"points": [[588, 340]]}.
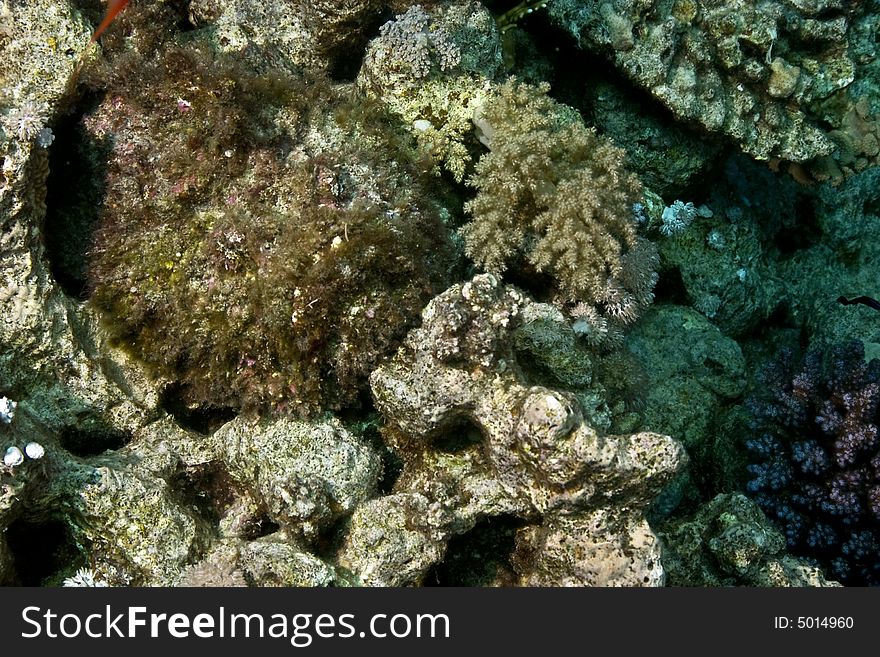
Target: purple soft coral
{"points": [[816, 458]]}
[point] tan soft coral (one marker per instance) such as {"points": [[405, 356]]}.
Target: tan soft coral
{"points": [[552, 192]]}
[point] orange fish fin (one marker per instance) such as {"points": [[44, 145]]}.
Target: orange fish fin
{"points": [[113, 9]]}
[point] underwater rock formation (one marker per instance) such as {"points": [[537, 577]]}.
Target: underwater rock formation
{"points": [[748, 70], [173, 506], [476, 443], [269, 561], [120, 512], [691, 369], [260, 225], [725, 271], [841, 261], [307, 475], [55, 359], [290, 34], [729, 542], [667, 156]]}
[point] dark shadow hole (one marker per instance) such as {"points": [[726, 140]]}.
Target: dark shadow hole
{"points": [[779, 319], [93, 441], [75, 192], [93, 10], [40, 550], [346, 59], [331, 539], [479, 557], [670, 288], [201, 419], [828, 14], [184, 24], [260, 527], [461, 435], [392, 464], [537, 285], [805, 233], [206, 488]]}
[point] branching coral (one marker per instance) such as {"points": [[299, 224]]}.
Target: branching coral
{"points": [[817, 459], [554, 193]]}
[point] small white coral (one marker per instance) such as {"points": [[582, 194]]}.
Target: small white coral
{"points": [[679, 216], [7, 410], [26, 121], [84, 578], [34, 450]]}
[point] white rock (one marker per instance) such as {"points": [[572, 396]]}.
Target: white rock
{"points": [[13, 457]]}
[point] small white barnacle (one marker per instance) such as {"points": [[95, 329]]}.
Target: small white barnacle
{"points": [[34, 450], [13, 457]]}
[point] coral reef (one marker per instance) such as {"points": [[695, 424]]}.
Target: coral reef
{"points": [[207, 501], [669, 157], [839, 259], [478, 443], [433, 69], [116, 507], [727, 259], [55, 361], [816, 458], [308, 476], [226, 353], [691, 368], [269, 561], [291, 34]]}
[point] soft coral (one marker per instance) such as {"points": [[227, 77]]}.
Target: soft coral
{"points": [[815, 465]]}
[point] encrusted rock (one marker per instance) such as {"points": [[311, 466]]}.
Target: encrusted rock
{"points": [[284, 34], [521, 451], [716, 62], [269, 561], [729, 542], [307, 474], [393, 540], [433, 67], [55, 356], [125, 505]]}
